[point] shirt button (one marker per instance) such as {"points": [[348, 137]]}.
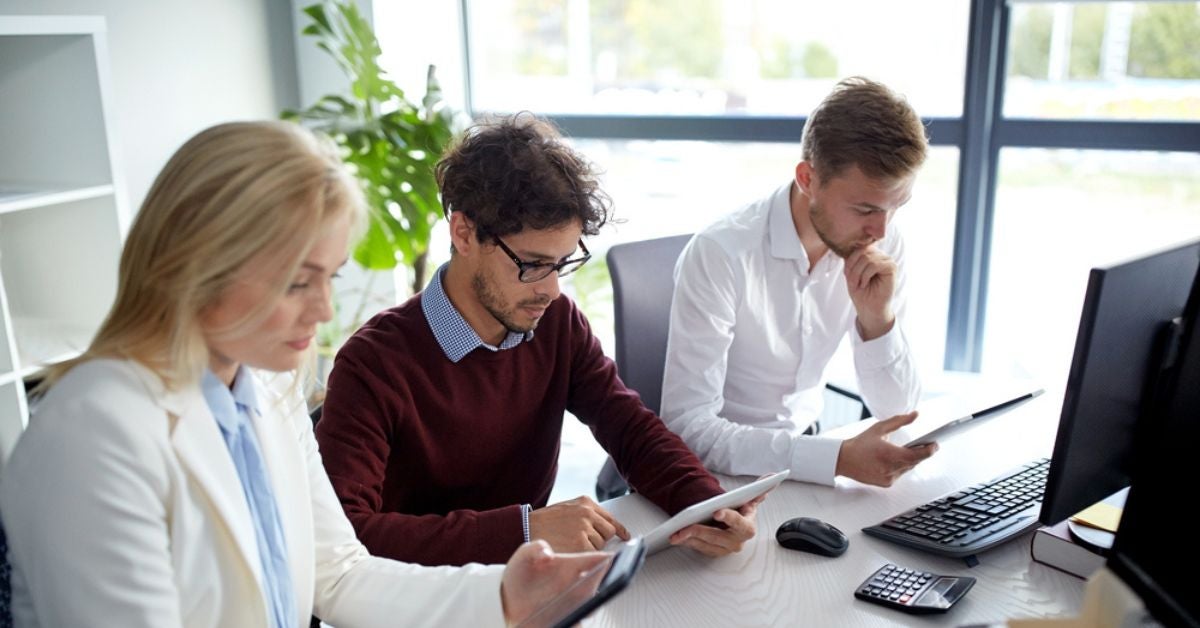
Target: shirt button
{"points": [[808, 330]]}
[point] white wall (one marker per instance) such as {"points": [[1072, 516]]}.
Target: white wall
{"points": [[179, 66]]}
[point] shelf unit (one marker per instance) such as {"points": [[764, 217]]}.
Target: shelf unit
{"points": [[63, 213]]}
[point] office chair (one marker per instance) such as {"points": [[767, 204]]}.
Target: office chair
{"points": [[315, 415], [5, 583], [643, 277]]}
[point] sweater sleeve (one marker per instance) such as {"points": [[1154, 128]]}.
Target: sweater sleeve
{"points": [[650, 457], [355, 434]]}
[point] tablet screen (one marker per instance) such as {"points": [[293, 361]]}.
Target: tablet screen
{"points": [[591, 588]]}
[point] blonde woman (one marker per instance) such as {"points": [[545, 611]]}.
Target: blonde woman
{"points": [[164, 481]]}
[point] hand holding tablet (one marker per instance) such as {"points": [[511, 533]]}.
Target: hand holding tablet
{"points": [[591, 588], [660, 537]]}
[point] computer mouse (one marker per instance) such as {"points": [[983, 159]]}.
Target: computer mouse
{"points": [[812, 535]]}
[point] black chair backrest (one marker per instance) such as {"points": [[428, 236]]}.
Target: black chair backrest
{"points": [[5, 583], [643, 277]]}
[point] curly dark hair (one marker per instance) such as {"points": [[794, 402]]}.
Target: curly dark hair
{"points": [[515, 173]]}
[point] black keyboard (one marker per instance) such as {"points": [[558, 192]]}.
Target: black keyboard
{"points": [[973, 519]]}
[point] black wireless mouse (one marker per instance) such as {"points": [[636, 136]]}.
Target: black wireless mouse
{"points": [[812, 535]]}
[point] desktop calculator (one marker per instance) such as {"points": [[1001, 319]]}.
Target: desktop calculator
{"points": [[913, 591]]}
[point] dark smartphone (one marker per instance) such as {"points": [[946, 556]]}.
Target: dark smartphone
{"points": [[592, 589]]}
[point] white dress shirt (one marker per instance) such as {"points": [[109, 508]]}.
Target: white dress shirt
{"points": [[752, 329]]}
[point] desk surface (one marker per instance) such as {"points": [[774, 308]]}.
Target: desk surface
{"points": [[767, 585]]}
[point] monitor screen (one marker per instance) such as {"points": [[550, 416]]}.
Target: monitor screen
{"points": [[1156, 542], [1126, 311]]}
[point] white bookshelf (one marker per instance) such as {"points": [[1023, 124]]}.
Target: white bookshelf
{"points": [[63, 213]]}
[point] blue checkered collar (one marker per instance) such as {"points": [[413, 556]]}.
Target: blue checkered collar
{"points": [[455, 336]]}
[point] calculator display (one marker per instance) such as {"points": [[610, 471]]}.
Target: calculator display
{"points": [[936, 596]]}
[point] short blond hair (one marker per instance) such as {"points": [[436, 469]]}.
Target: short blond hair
{"points": [[235, 193], [864, 123]]}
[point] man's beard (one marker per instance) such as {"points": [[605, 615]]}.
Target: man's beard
{"points": [[841, 249], [494, 304]]}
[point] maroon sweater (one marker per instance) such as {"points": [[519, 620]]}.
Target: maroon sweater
{"points": [[431, 459]]}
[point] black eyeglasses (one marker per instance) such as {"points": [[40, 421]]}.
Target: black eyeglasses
{"points": [[530, 272]]}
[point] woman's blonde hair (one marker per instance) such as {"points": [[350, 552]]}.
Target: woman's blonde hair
{"points": [[235, 194]]}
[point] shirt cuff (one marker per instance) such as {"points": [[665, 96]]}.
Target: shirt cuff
{"points": [[525, 510], [814, 459], [881, 352]]}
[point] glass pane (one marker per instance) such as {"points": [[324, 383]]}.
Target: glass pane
{"points": [[1058, 214], [710, 57], [662, 188], [1104, 60]]}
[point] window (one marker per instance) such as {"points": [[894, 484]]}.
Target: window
{"points": [[709, 57], [1104, 60], [1094, 80], [1058, 214]]}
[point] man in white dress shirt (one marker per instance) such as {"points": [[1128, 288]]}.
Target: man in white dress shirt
{"points": [[764, 297]]}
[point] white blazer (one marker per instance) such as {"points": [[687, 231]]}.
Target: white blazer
{"points": [[123, 508]]}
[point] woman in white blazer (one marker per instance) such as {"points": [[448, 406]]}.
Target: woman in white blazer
{"points": [[125, 502]]}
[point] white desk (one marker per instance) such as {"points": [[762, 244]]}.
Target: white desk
{"points": [[767, 585]]}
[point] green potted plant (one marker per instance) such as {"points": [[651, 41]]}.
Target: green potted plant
{"points": [[390, 142]]}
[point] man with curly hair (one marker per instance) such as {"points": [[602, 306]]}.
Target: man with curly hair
{"points": [[442, 422]]}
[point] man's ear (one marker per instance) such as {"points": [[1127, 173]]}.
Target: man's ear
{"points": [[804, 177], [462, 234]]}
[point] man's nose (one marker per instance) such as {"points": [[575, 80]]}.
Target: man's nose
{"points": [[549, 286], [877, 225]]}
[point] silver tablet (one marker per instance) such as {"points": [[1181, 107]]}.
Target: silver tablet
{"points": [[962, 423], [660, 537]]}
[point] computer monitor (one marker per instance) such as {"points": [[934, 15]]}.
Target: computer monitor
{"points": [[1154, 551], [1126, 309]]}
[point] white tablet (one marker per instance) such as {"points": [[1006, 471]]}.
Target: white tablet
{"points": [[957, 425], [660, 537]]}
